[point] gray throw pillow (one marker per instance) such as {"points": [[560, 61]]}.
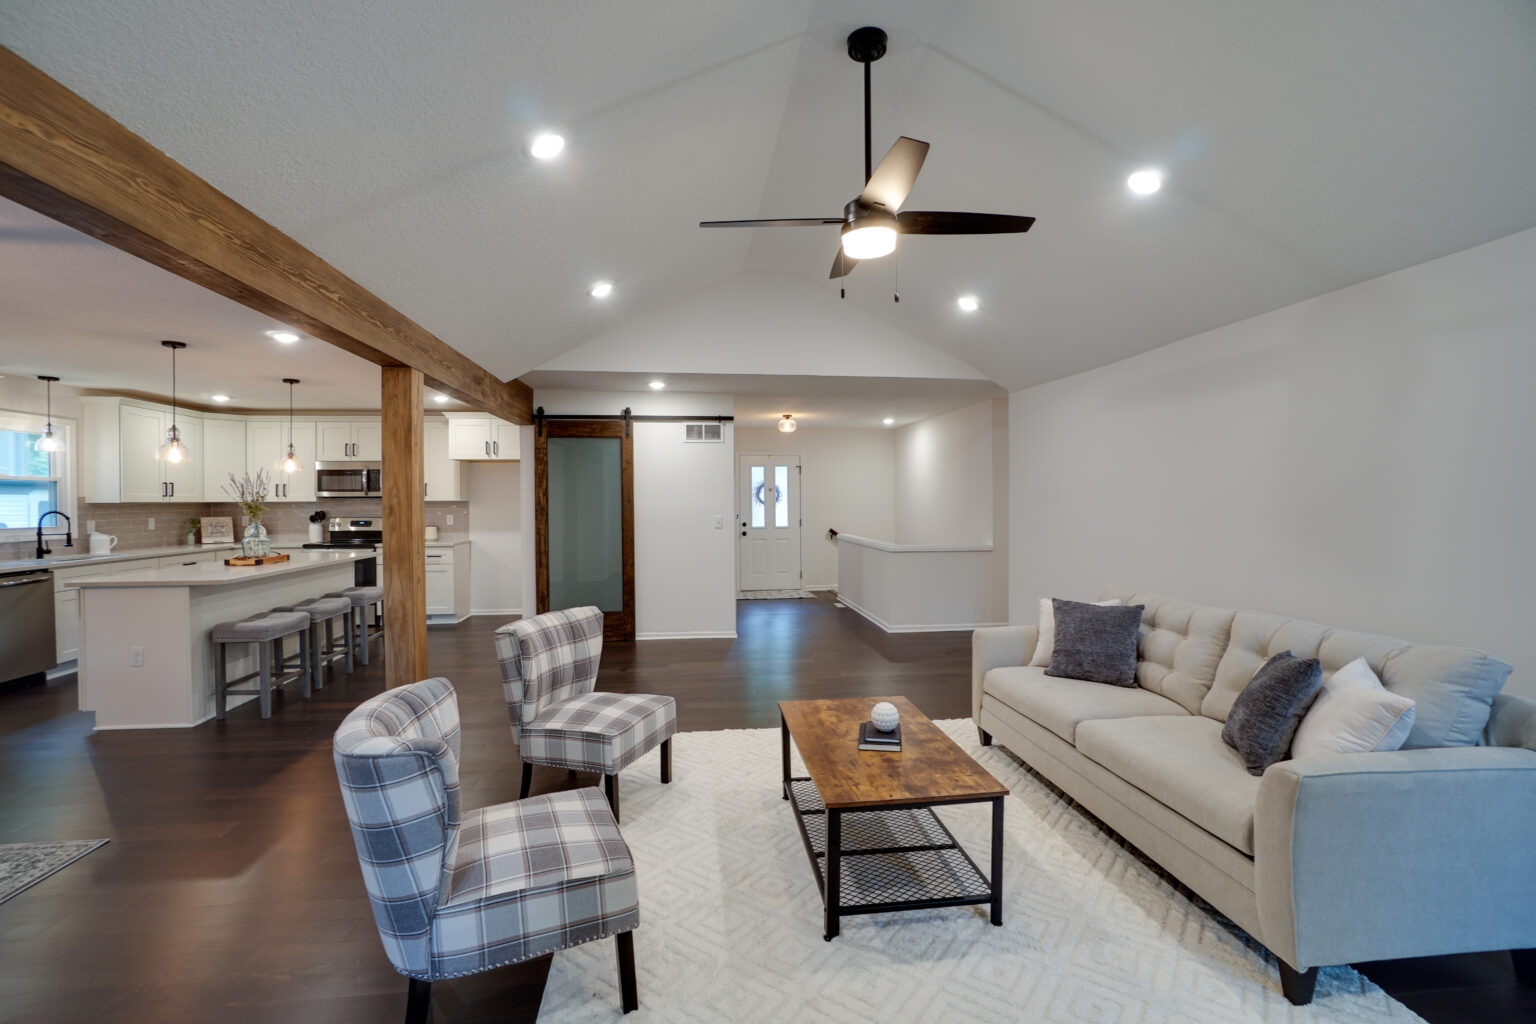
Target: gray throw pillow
{"points": [[1265, 715], [1095, 642]]}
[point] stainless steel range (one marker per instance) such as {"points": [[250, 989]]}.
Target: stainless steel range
{"points": [[352, 534]]}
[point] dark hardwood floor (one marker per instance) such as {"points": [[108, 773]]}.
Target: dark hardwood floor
{"points": [[230, 891]]}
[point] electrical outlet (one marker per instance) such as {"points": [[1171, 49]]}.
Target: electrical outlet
{"points": [[90, 526], [450, 520], [135, 657], [719, 522], [151, 522]]}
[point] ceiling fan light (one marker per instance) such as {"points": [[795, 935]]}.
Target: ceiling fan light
{"points": [[787, 425], [869, 243]]}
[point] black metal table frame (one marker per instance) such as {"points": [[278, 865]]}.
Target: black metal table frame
{"points": [[829, 881]]}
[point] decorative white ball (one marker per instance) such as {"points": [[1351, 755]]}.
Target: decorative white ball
{"points": [[885, 716]]}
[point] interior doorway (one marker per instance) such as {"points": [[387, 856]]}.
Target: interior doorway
{"points": [[768, 522]]}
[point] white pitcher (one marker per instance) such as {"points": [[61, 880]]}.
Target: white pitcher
{"points": [[102, 543]]}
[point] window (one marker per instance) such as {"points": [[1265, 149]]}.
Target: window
{"points": [[757, 497], [780, 495], [32, 482]]}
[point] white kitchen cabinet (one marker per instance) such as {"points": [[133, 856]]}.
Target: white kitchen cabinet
{"points": [[122, 442], [349, 441], [475, 438], [448, 582], [66, 610], [266, 444], [444, 476], [223, 455], [139, 457]]}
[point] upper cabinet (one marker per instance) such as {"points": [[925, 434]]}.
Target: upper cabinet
{"points": [[266, 445], [223, 455], [349, 440], [474, 437], [442, 476], [122, 460]]}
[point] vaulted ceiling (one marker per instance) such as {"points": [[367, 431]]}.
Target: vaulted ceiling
{"points": [[1308, 145]]}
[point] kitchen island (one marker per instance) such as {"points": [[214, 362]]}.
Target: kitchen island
{"points": [[145, 657]]}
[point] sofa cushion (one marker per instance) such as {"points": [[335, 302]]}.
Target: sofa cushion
{"points": [[1095, 642], [1180, 646], [1183, 764], [1061, 704], [1265, 715]]}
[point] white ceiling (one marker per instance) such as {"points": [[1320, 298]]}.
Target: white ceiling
{"points": [[1308, 145]]}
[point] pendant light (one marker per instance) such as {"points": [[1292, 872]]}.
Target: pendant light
{"points": [[787, 425], [173, 450], [48, 442], [291, 460]]}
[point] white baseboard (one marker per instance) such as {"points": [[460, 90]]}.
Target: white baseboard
{"points": [[702, 634], [926, 628], [822, 586], [63, 668], [497, 611]]}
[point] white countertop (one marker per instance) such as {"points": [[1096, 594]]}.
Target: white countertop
{"points": [[63, 558], [217, 574]]}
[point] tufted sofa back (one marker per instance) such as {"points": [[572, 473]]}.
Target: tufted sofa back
{"points": [[1180, 646]]}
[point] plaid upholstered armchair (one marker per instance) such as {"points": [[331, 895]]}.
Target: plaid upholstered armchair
{"points": [[548, 672], [455, 895]]}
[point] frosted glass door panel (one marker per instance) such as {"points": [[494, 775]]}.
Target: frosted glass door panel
{"points": [[586, 517]]}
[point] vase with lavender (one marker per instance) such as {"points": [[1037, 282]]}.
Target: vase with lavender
{"points": [[250, 493]]}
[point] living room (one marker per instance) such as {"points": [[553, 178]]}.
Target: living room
{"points": [[1256, 365]]}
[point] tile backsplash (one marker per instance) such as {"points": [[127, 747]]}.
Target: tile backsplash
{"points": [[130, 522]]}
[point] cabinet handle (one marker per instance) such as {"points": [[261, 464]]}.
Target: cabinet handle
{"points": [[487, 447], [495, 447], [173, 489]]}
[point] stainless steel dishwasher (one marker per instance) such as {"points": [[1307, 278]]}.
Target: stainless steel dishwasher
{"points": [[26, 627]]}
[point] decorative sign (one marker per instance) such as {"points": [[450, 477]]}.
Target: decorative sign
{"points": [[218, 530]]}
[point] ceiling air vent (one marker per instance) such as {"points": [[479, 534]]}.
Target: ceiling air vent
{"points": [[703, 432]]}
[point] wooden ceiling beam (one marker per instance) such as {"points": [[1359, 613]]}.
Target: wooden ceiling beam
{"points": [[68, 160]]}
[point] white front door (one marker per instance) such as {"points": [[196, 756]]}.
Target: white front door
{"points": [[768, 521]]}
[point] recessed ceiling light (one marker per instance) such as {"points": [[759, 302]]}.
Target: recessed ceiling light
{"points": [[440, 399], [1145, 181], [968, 303], [219, 398], [657, 385], [546, 145], [888, 420], [601, 290], [286, 337]]}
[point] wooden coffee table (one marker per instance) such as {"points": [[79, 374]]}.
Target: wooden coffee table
{"points": [[866, 816]]}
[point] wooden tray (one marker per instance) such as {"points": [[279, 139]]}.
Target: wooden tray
{"points": [[255, 560]]}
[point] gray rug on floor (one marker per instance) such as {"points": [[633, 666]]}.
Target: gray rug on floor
{"points": [[774, 595], [25, 864]]}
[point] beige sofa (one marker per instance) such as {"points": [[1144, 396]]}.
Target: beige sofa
{"points": [[1329, 860]]}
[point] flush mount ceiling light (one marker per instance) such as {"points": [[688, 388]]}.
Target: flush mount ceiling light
{"points": [[173, 450], [546, 145], [787, 425], [657, 385], [440, 399], [283, 337], [888, 420], [291, 462], [219, 398], [48, 442], [968, 303], [1145, 181], [601, 290]]}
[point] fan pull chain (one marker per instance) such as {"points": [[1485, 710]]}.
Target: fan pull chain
{"points": [[896, 285]]}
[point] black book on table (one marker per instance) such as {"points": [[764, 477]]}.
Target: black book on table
{"points": [[871, 738]]}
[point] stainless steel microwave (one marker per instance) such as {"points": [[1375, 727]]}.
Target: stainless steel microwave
{"points": [[349, 479]]}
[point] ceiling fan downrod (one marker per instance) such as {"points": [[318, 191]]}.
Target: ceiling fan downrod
{"points": [[867, 45]]}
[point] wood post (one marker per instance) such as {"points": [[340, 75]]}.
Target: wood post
{"points": [[405, 551]]}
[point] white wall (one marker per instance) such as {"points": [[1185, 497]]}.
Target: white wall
{"points": [[1363, 459], [944, 478], [496, 536], [685, 568], [847, 483]]}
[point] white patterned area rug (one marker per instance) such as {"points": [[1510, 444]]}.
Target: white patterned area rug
{"points": [[731, 925], [771, 595], [25, 864]]}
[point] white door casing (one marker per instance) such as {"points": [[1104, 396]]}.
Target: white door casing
{"points": [[768, 522]]}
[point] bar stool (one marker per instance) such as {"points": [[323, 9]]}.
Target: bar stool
{"points": [[267, 632], [322, 652], [364, 598]]}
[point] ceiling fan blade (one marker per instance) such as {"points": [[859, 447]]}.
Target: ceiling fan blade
{"points": [[933, 222], [893, 176], [789, 222], [842, 265]]}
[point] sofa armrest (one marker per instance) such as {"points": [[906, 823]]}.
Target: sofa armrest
{"points": [[998, 647], [1511, 722], [1405, 853]]}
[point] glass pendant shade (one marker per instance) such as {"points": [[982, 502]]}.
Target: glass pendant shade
{"points": [[49, 442], [787, 425], [291, 463], [174, 449]]}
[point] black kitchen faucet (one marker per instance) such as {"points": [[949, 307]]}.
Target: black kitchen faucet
{"points": [[43, 550]]}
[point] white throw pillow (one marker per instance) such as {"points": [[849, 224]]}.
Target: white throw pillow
{"points": [[1352, 714], [1046, 645]]}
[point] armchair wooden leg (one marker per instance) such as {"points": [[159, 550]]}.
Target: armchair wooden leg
{"points": [[986, 737], [627, 987], [1525, 965], [522, 793], [611, 791], [1297, 985], [418, 1002], [666, 761]]}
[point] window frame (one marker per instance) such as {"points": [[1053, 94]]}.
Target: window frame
{"points": [[62, 464]]}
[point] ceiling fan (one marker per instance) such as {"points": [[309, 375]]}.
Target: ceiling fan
{"points": [[872, 220]]}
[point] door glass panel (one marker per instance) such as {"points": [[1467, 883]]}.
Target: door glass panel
{"points": [[586, 519], [757, 498], [780, 495]]}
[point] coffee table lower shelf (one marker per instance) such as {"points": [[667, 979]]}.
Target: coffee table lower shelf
{"points": [[889, 859]]}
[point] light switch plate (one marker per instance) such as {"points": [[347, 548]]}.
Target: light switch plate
{"points": [[135, 657], [719, 522]]}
